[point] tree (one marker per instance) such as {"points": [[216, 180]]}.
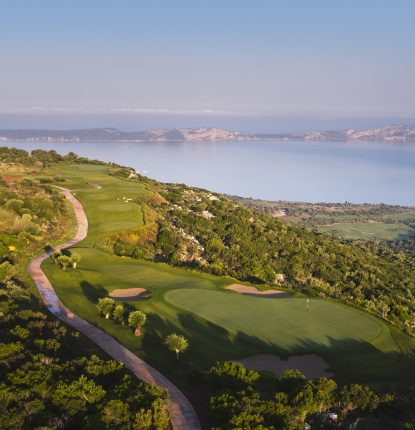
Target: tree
{"points": [[383, 308], [357, 396], [7, 272], [324, 393], [143, 419], [106, 306], [55, 256], [176, 343], [83, 390], [75, 259], [232, 374], [64, 261], [116, 414], [160, 415], [136, 320], [119, 314], [10, 352]]}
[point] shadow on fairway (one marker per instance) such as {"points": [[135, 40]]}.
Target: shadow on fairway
{"points": [[93, 292], [354, 360], [351, 360], [208, 344]]}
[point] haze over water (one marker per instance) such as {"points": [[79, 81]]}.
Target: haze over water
{"points": [[358, 172]]}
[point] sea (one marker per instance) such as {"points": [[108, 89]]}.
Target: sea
{"points": [[326, 171]]}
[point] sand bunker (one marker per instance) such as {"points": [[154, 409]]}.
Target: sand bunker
{"points": [[253, 291], [311, 365], [129, 293]]}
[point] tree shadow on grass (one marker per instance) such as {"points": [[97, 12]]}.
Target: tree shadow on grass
{"points": [[356, 360], [208, 343], [351, 360], [93, 292]]}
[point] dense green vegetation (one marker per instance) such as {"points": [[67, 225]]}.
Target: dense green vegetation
{"points": [[131, 216], [243, 399], [50, 376]]}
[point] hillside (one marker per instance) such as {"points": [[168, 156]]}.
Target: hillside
{"points": [[375, 222], [195, 228], [197, 231], [113, 134], [394, 133], [397, 133]]}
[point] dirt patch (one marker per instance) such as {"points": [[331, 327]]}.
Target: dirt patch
{"points": [[253, 291], [129, 293], [311, 365], [11, 178]]}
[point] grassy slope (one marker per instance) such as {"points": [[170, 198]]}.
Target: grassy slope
{"points": [[370, 231], [349, 339]]}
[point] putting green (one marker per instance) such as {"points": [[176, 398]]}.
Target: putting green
{"points": [[285, 323]]}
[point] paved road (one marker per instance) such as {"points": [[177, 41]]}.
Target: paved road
{"points": [[182, 414]]}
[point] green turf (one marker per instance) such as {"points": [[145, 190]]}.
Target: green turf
{"points": [[376, 230], [105, 207], [283, 322], [219, 324], [356, 343]]}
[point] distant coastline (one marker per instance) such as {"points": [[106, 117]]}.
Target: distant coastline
{"points": [[397, 133]]}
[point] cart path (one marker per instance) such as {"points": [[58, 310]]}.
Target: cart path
{"points": [[181, 412]]}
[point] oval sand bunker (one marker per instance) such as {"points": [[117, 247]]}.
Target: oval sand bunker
{"points": [[128, 293], [311, 365], [253, 291]]}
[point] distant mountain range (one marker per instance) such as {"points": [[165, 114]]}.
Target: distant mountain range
{"points": [[399, 133]]}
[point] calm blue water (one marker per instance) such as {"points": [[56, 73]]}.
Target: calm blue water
{"points": [[309, 171]]}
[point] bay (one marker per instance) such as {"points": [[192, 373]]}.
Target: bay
{"points": [[329, 171]]}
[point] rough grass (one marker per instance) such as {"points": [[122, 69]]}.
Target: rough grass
{"points": [[376, 230]]}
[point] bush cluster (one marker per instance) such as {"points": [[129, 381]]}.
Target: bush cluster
{"points": [[242, 400]]}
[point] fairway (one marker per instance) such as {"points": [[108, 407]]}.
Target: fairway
{"points": [[105, 207], [285, 323]]}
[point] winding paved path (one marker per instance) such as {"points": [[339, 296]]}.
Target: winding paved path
{"points": [[182, 414]]}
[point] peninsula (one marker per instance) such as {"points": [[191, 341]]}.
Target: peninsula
{"points": [[396, 133]]}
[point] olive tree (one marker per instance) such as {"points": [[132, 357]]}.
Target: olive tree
{"points": [[119, 314], [64, 261], [136, 320], [75, 259], [106, 306], [176, 343]]}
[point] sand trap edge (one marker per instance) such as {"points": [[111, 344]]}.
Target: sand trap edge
{"points": [[128, 293], [253, 291]]}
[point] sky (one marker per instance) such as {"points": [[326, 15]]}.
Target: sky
{"points": [[252, 65]]}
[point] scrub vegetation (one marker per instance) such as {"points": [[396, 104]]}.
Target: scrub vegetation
{"points": [[51, 377]]}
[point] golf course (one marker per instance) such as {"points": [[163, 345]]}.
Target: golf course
{"points": [[220, 324]]}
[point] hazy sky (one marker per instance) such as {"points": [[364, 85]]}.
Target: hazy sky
{"points": [[226, 62]]}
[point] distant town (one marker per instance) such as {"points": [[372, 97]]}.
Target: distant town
{"points": [[399, 133]]}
